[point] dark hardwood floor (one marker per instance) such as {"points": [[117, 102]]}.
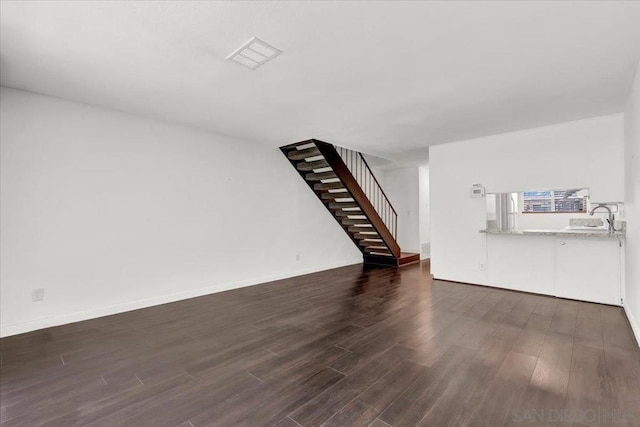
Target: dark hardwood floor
{"points": [[342, 347]]}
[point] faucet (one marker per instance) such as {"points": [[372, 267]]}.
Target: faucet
{"points": [[610, 220]]}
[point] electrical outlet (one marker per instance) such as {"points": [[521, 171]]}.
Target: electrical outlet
{"points": [[37, 294], [483, 267]]}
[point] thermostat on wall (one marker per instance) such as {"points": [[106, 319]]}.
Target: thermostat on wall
{"points": [[477, 190]]}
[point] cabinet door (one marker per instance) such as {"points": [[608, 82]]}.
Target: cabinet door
{"points": [[523, 263], [588, 270]]}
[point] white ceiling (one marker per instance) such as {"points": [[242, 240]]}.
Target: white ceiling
{"points": [[383, 77]]}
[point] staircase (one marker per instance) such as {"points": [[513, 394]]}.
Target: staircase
{"points": [[344, 183]]}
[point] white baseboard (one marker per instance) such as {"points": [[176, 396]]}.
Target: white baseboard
{"points": [[633, 323], [63, 319]]}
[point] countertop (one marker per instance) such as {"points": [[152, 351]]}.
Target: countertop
{"points": [[564, 233]]}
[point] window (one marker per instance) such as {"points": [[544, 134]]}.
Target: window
{"points": [[554, 201]]}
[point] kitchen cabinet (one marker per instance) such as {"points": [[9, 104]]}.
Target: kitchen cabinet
{"points": [[588, 269], [522, 263], [570, 265]]}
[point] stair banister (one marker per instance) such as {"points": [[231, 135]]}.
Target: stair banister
{"points": [[343, 172], [367, 180]]}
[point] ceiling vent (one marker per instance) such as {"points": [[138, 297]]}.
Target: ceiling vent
{"points": [[254, 53]]}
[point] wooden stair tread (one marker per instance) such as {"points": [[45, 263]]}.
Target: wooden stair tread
{"points": [[329, 186], [309, 166], [362, 236], [370, 243], [320, 176], [334, 196], [354, 221], [380, 248], [384, 254], [343, 205], [358, 229], [408, 258], [299, 145], [303, 154], [344, 214]]}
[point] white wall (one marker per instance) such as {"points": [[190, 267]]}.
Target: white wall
{"points": [[109, 212], [555, 221], [632, 205], [408, 190], [425, 206], [402, 187], [580, 154]]}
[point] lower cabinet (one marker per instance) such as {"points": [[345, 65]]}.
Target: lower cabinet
{"points": [[521, 263], [580, 268], [588, 270]]}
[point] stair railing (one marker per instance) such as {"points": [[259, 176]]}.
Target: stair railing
{"points": [[361, 171]]}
